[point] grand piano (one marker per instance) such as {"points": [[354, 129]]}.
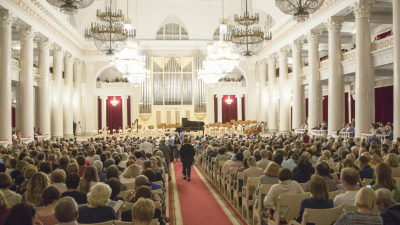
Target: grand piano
{"points": [[190, 126]]}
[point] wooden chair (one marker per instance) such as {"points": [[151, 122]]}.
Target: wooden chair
{"points": [[211, 169], [229, 186], [219, 174], [157, 205], [292, 202], [124, 194], [116, 222], [126, 206], [237, 193], [224, 178], [302, 185], [333, 194], [248, 200], [350, 208], [130, 186], [103, 223], [257, 212], [366, 181], [320, 216]]}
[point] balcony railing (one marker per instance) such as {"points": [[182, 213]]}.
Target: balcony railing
{"points": [[113, 85]]}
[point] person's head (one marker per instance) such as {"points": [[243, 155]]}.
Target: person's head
{"points": [[143, 192], [322, 169], [132, 171], [98, 164], [22, 214], [239, 156], [302, 164], [38, 182], [109, 162], [72, 181], [5, 181], [89, 175], [20, 165], [141, 180], [272, 170], [363, 161], [366, 199], [251, 161], [99, 194], [81, 160], [392, 160], [383, 174], [349, 177], [278, 159], [375, 159], [66, 210], [318, 188], [186, 140], [72, 168], [285, 174], [150, 174], [51, 195], [115, 186], [112, 172], [143, 211], [384, 199]]}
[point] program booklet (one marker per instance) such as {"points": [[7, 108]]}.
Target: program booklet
{"points": [[115, 204]]}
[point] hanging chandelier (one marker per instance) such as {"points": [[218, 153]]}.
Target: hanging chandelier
{"points": [[300, 9], [114, 102], [247, 41], [109, 34], [209, 77], [229, 100], [70, 7]]}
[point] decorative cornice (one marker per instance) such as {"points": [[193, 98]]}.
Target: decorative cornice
{"points": [[251, 65], [27, 33], [44, 43], [296, 45], [313, 35], [334, 24], [69, 59], [89, 65], [362, 8], [78, 64], [7, 18], [58, 52]]}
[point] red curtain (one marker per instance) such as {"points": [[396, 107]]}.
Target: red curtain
{"points": [[99, 114], [128, 106], [13, 116], [353, 108], [325, 108], [215, 109], [306, 107], [114, 113], [384, 104], [229, 112], [243, 110]]}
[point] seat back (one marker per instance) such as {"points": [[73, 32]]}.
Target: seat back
{"points": [[292, 202], [124, 194], [232, 171], [103, 223], [322, 216], [130, 186], [302, 185], [350, 208], [238, 178], [333, 194], [157, 205], [264, 189], [251, 182], [126, 206], [221, 164], [225, 170], [366, 181]]}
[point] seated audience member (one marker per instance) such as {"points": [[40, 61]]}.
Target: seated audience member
{"points": [[58, 180], [263, 163], [18, 169], [291, 162], [115, 186], [112, 172], [99, 166], [72, 168], [129, 174], [252, 171], [4, 208], [66, 211], [36, 185], [54, 162], [278, 159], [50, 197], [393, 162], [390, 211], [350, 179], [72, 182], [81, 160], [143, 212], [322, 169], [271, 176], [365, 202], [89, 179], [22, 214], [320, 199], [375, 159], [97, 211], [285, 186], [383, 175], [151, 175], [366, 170], [303, 173], [222, 156], [11, 197]]}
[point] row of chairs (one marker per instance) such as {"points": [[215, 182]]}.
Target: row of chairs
{"points": [[116, 222]]}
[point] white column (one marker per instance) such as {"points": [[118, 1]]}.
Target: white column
{"points": [[251, 100], [26, 34], [124, 111], [77, 94], [314, 84], [104, 111], [57, 126], [219, 97], [44, 93], [68, 87], [396, 68], [210, 105], [272, 102], [284, 111], [239, 107], [362, 11], [6, 20], [335, 81], [135, 104], [91, 110], [298, 88], [262, 66]]}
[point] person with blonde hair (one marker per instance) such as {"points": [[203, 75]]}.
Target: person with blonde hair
{"points": [[393, 161], [57, 178], [390, 211], [383, 175], [252, 171], [365, 202], [72, 168], [36, 185], [375, 159], [89, 179], [97, 211], [129, 174], [11, 197], [4, 208], [143, 212], [271, 176]]}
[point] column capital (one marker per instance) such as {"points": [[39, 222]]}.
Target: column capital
{"points": [[58, 52], [27, 33], [313, 35], [44, 43], [283, 53], [124, 97], [69, 59], [89, 65], [77, 64], [362, 8], [251, 65], [219, 95], [263, 63], [239, 96], [103, 97], [272, 59], [7, 18], [296, 45], [334, 24]]}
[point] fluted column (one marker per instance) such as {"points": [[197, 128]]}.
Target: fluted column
{"points": [[284, 104], [77, 94], [91, 122], [6, 20], [314, 84], [251, 98], [262, 66], [396, 68], [335, 81], [362, 11], [124, 111], [44, 94], [104, 111], [57, 126], [298, 112], [239, 107], [68, 87], [272, 98], [26, 34], [219, 98]]}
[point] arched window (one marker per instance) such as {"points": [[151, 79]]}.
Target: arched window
{"points": [[172, 31], [216, 33]]}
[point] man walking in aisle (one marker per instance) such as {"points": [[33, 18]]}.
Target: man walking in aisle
{"points": [[170, 143]]}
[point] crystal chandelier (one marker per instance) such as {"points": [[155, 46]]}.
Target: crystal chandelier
{"points": [[70, 7], [229, 100], [247, 41], [114, 102], [209, 77], [300, 9], [109, 35]]}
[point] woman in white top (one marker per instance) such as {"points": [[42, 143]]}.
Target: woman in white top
{"points": [[58, 180], [128, 176], [122, 164]]}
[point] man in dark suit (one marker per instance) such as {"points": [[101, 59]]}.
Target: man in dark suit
{"points": [[74, 127], [366, 170]]}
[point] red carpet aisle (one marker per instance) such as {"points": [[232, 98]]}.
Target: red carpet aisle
{"points": [[198, 202]]}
